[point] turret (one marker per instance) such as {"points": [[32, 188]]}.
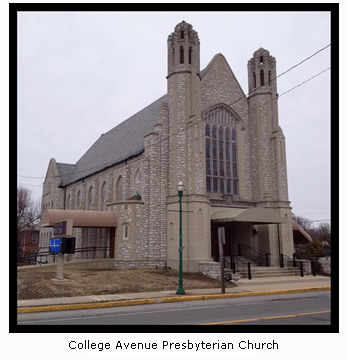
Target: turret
{"points": [[262, 80], [183, 49]]}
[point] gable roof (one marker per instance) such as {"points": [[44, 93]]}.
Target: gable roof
{"points": [[205, 71], [120, 143]]}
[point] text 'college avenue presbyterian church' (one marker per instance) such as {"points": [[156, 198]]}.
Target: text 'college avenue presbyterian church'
{"points": [[227, 149]]}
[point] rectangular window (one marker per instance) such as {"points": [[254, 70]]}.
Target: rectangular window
{"points": [[208, 148], [221, 159], [125, 232], [208, 184], [227, 151], [234, 170], [208, 167], [228, 186], [214, 149], [215, 168], [228, 169], [215, 185], [236, 187], [221, 186], [221, 168]]}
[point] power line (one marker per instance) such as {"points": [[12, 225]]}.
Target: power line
{"points": [[185, 128], [319, 220], [203, 119], [31, 177], [286, 92], [29, 185]]}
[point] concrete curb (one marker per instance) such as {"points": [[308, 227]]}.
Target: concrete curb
{"points": [[105, 304]]}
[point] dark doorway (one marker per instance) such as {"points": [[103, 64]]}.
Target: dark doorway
{"points": [[112, 241]]}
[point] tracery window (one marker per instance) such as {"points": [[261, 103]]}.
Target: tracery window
{"points": [[221, 152]]}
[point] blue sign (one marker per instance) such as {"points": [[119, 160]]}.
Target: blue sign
{"points": [[55, 245]]}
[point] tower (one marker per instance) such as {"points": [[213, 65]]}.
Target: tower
{"points": [[269, 180], [267, 148], [186, 149], [185, 125]]}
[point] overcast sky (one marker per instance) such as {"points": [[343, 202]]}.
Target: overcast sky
{"points": [[82, 73]]}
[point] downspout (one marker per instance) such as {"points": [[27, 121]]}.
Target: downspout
{"points": [[279, 244]]}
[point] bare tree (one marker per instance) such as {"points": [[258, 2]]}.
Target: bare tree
{"points": [[28, 214], [305, 223], [324, 233]]}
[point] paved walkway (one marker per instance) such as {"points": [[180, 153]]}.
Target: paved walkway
{"points": [[245, 287]]}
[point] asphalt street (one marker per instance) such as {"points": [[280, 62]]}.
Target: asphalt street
{"points": [[311, 308]]}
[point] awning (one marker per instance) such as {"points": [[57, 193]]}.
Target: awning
{"points": [[252, 215], [300, 235], [80, 218]]}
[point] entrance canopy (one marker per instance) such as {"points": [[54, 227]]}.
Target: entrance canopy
{"points": [[80, 218], [252, 215]]}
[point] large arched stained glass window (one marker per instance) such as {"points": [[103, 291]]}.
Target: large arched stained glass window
{"points": [[221, 152]]}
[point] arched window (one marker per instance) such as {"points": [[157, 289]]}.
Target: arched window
{"points": [[78, 200], [181, 55], [221, 152], [138, 176], [68, 202], [103, 195], [262, 77], [90, 197], [119, 189]]}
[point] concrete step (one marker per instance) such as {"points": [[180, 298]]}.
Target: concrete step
{"points": [[271, 271]]}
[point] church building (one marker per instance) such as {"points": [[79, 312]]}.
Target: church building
{"points": [[227, 149]]}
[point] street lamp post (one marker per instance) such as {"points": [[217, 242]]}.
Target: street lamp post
{"points": [[180, 290]]}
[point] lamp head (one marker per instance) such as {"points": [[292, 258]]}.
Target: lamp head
{"points": [[180, 186]]}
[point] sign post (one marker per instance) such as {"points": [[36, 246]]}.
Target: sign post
{"points": [[62, 245], [60, 268], [221, 242]]}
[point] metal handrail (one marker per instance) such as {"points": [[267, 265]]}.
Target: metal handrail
{"points": [[261, 257], [37, 258]]}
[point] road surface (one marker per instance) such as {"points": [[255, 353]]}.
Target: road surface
{"points": [[307, 308]]}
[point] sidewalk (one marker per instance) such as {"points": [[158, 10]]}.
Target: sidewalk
{"points": [[245, 287]]}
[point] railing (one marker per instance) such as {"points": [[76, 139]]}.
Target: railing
{"points": [[249, 256], [91, 252], [302, 266], [260, 257], [236, 265]]}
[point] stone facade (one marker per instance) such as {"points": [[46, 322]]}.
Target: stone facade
{"points": [[139, 184]]}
